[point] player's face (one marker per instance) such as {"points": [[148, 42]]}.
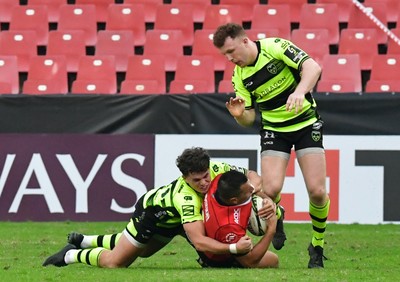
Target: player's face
{"points": [[246, 190], [199, 181], [237, 50]]}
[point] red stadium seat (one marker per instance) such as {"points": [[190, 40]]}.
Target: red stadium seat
{"points": [[246, 7], [145, 75], [70, 44], [359, 41], [6, 7], [321, 16], [217, 15], [382, 86], [314, 41], [272, 17], [190, 87], [128, 17], [22, 44], [149, 8], [199, 8], [165, 42], [344, 7], [53, 7], [385, 67], [343, 70], [194, 67], [47, 75], [358, 20], [9, 80], [96, 75], [79, 17], [176, 17], [101, 7], [225, 86], [295, 7], [393, 47], [392, 8], [31, 17], [118, 43], [203, 45], [257, 34]]}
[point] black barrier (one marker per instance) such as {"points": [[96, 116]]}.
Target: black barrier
{"points": [[344, 114]]}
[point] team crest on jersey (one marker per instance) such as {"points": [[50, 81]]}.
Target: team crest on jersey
{"points": [[215, 168], [230, 238], [188, 198], [188, 210], [272, 68], [316, 135]]}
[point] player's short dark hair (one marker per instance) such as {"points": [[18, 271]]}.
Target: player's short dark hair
{"points": [[229, 184], [194, 159], [231, 30]]}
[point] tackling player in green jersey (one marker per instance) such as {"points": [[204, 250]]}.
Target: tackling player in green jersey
{"points": [[160, 215], [278, 77]]}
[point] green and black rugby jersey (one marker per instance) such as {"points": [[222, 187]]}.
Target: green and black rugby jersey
{"points": [[177, 203], [269, 82]]}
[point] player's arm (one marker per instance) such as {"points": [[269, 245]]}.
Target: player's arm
{"points": [[236, 107], [255, 257], [196, 234]]}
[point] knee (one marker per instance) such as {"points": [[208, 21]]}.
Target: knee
{"points": [[318, 196]]}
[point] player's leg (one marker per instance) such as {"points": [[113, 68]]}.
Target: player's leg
{"points": [[81, 241], [269, 260]]}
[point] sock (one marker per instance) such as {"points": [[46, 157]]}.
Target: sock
{"points": [[86, 256], [277, 201], [319, 215], [106, 241]]}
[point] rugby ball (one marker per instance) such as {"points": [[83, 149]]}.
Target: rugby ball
{"points": [[256, 225]]}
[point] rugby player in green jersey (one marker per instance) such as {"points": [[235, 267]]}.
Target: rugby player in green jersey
{"points": [[160, 215], [277, 77]]}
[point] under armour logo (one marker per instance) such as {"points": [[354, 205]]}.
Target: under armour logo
{"points": [[269, 134]]}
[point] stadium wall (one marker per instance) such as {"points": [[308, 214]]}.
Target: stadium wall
{"points": [[72, 172]]}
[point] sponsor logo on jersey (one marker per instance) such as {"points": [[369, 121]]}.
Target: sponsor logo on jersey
{"points": [[188, 210], [230, 238], [188, 198], [236, 215]]}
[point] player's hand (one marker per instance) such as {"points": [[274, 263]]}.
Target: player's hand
{"points": [[295, 101], [244, 245], [267, 210], [235, 106]]}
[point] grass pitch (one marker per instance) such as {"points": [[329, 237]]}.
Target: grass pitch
{"points": [[355, 253]]}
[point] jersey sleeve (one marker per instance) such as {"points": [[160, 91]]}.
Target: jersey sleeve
{"points": [[217, 168], [286, 51], [188, 204], [240, 90]]}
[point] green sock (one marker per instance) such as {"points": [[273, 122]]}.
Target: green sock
{"points": [[106, 241], [86, 256], [277, 201], [318, 215]]}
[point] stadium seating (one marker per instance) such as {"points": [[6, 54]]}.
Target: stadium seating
{"points": [[53, 7], [96, 74], [386, 67], [165, 42], [6, 7], [246, 7], [392, 8], [272, 17], [145, 75], [393, 47], [118, 43], [357, 19], [101, 7], [203, 45], [9, 81], [128, 17], [321, 16], [70, 44], [216, 15], [295, 7], [149, 8], [344, 7], [79, 17], [340, 73], [314, 41], [22, 44], [32, 17], [199, 8], [225, 86], [363, 42], [176, 17], [47, 75], [382, 86], [257, 34], [194, 74]]}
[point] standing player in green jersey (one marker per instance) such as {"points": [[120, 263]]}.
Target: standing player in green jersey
{"points": [[278, 76], [160, 215]]}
